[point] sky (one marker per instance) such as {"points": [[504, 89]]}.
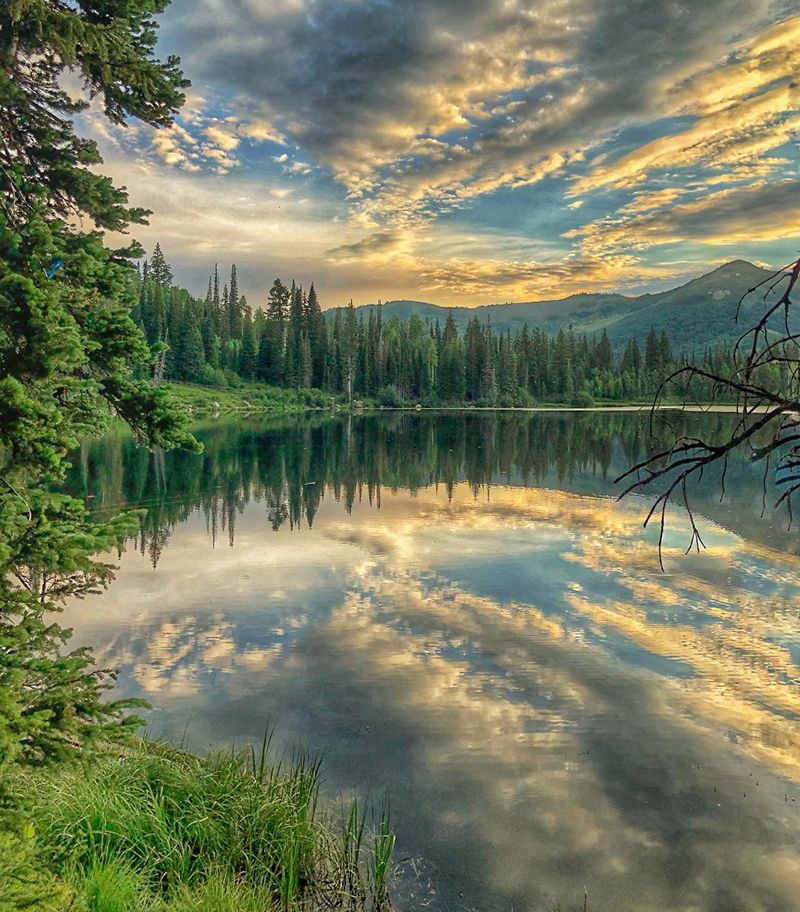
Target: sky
{"points": [[471, 151]]}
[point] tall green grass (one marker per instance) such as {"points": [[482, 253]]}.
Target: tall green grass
{"points": [[250, 397], [160, 830]]}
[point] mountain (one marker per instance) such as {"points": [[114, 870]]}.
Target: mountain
{"points": [[701, 312], [695, 315]]}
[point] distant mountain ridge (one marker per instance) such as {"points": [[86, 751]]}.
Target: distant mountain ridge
{"points": [[695, 315]]}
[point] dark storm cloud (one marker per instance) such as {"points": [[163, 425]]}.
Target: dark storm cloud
{"points": [[362, 85], [332, 69]]}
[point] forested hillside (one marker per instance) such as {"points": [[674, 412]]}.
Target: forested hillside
{"points": [[221, 340], [696, 315]]}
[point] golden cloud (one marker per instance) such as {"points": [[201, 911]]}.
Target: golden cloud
{"points": [[742, 110], [759, 212]]}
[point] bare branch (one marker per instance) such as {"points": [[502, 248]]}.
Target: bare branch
{"points": [[765, 406]]}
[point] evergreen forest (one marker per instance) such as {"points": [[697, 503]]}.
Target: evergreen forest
{"points": [[288, 341]]}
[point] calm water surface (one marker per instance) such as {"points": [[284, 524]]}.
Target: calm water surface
{"points": [[456, 609]]}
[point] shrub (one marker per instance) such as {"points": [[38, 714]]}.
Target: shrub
{"points": [[582, 399], [389, 397], [25, 884], [316, 398], [524, 399], [231, 379], [211, 376]]}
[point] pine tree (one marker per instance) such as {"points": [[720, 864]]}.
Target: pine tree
{"points": [[217, 304], [225, 310], [335, 372], [664, 351], [208, 330], [371, 380], [349, 350], [604, 357], [522, 346], [295, 367], [488, 383], [652, 353], [234, 308], [189, 345], [51, 395], [248, 351], [451, 376], [316, 330], [306, 363], [507, 370], [264, 360], [153, 310], [475, 355], [271, 349], [160, 272], [41, 156], [632, 358]]}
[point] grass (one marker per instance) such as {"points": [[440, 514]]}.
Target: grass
{"points": [[160, 830], [256, 397], [251, 397]]}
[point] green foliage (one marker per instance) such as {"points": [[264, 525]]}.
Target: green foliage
{"points": [[248, 398], [389, 397], [248, 351], [161, 829], [582, 399], [111, 46], [71, 355], [291, 345], [26, 884]]}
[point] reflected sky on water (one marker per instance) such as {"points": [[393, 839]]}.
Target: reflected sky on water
{"points": [[457, 609]]}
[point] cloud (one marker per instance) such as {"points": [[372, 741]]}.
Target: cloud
{"points": [[262, 130], [202, 138], [224, 138], [413, 119], [537, 280], [761, 212], [194, 145], [437, 100], [381, 246], [735, 136], [645, 200], [741, 111], [261, 233]]}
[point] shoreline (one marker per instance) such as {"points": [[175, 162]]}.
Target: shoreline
{"points": [[723, 409], [215, 402]]}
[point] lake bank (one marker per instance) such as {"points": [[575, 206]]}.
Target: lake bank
{"points": [[643, 407], [157, 829], [257, 399]]}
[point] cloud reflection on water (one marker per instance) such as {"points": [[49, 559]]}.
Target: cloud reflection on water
{"points": [[546, 709]]}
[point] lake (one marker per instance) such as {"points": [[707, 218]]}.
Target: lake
{"points": [[455, 609]]}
